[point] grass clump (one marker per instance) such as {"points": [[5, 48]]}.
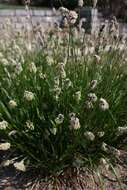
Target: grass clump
{"points": [[62, 101]]}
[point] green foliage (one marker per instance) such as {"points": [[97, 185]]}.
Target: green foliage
{"points": [[56, 79]]}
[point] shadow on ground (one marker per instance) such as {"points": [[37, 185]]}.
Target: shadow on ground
{"points": [[12, 180]]}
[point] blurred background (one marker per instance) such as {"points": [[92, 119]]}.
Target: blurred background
{"points": [[45, 12], [107, 7]]}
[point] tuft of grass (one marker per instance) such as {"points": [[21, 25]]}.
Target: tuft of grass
{"points": [[62, 100]]}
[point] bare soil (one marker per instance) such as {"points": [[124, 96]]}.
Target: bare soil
{"points": [[69, 180]]}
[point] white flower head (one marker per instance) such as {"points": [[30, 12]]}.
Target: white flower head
{"points": [[94, 3], [30, 125], [100, 134], [56, 81], [93, 84], [104, 163], [72, 17], [20, 166], [107, 48], [12, 104], [4, 62], [65, 23], [104, 147], [63, 74], [12, 61], [5, 146], [60, 118], [12, 133], [42, 75], [3, 125], [122, 130], [29, 46], [61, 66], [29, 96], [67, 83], [92, 97], [56, 92], [80, 3], [32, 67], [1, 55], [61, 69], [91, 50], [7, 163], [74, 123], [98, 58], [89, 135], [89, 104], [86, 51], [103, 104], [54, 131], [115, 151], [18, 68], [63, 10], [77, 96], [50, 60]]}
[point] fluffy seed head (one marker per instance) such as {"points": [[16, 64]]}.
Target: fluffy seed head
{"points": [[80, 3], [32, 67], [121, 130], [89, 135], [63, 10], [103, 104], [30, 125], [6, 163], [20, 166], [29, 96], [4, 61], [98, 58], [93, 84], [5, 146], [89, 104], [60, 118], [74, 123], [67, 83], [92, 97], [56, 81], [104, 163], [72, 114], [3, 125], [100, 134], [12, 133], [104, 147], [12, 104], [77, 96], [72, 17]]}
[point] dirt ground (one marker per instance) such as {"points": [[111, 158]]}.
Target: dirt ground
{"points": [[11, 180]]}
